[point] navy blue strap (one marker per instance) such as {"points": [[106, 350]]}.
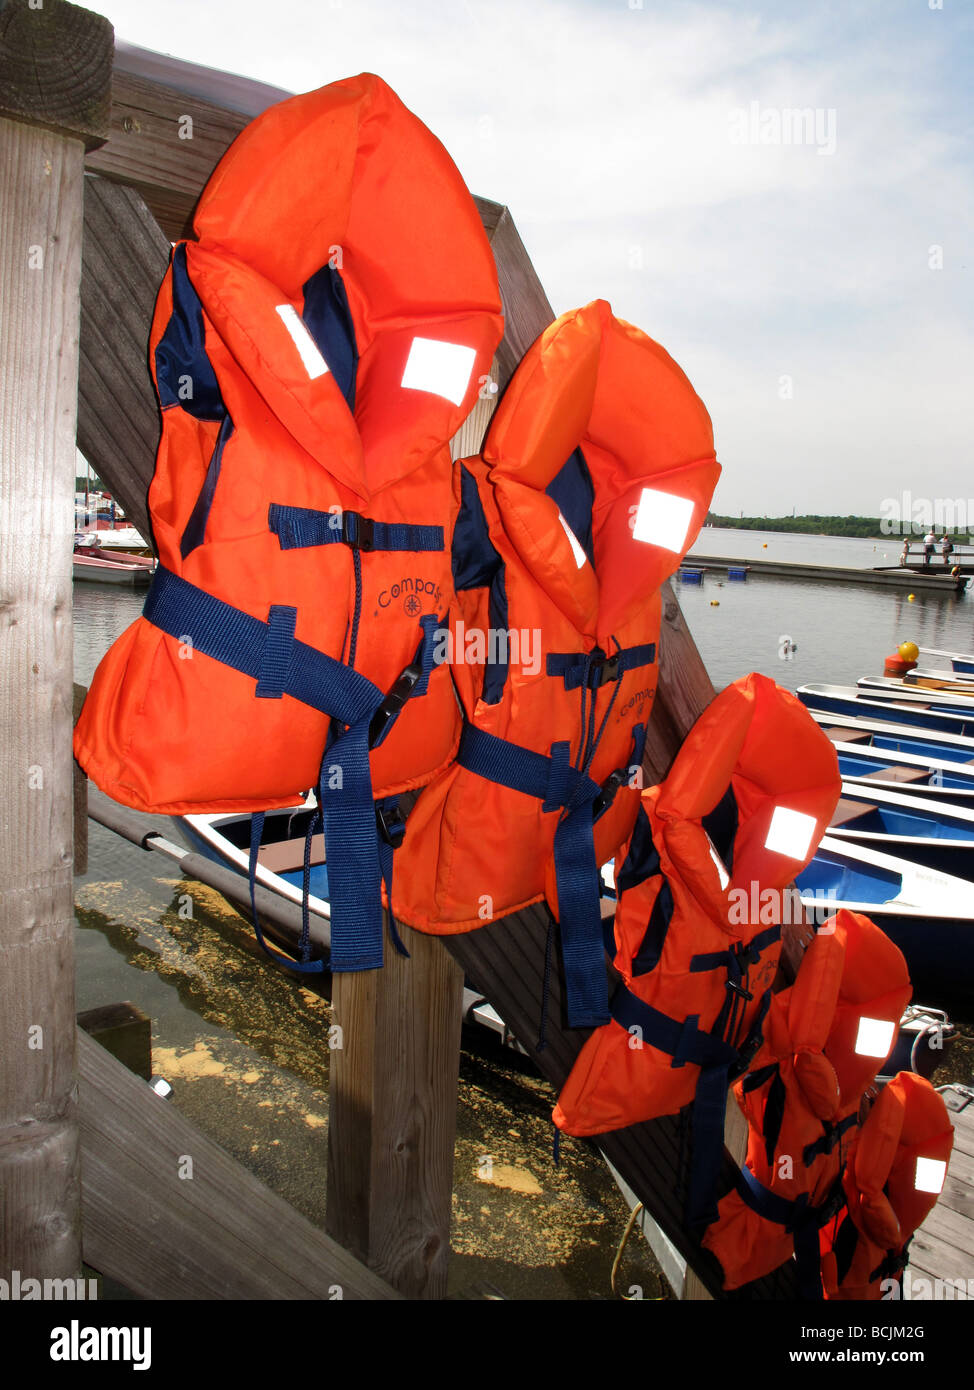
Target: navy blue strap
{"points": [[798, 1219], [299, 527], [830, 1136], [392, 829], [580, 920], [277, 652], [741, 953], [687, 1042], [595, 669], [558, 786], [229, 635], [304, 966], [684, 1042], [510, 765], [269, 654], [195, 531]]}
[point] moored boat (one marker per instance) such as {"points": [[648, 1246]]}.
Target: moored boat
{"points": [[957, 661], [867, 731], [933, 778], [929, 914], [849, 699], [939, 835], [94, 570]]}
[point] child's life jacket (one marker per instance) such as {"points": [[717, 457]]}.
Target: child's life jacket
{"points": [[896, 1170], [595, 476], [702, 892], [313, 350], [825, 1039]]}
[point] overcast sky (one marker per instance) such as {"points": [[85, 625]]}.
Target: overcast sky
{"points": [[644, 154]]}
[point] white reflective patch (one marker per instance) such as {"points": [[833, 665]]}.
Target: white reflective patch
{"points": [[662, 519], [314, 364], [577, 551], [790, 832], [930, 1175], [722, 873], [875, 1037], [441, 368]]}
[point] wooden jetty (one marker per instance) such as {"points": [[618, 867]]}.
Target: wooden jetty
{"points": [[92, 1171], [943, 583]]}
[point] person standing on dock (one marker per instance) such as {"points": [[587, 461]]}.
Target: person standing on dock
{"points": [[946, 547], [905, 556], [929, 541]]}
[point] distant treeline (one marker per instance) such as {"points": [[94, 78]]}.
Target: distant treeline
{"points": [[869, 527]]}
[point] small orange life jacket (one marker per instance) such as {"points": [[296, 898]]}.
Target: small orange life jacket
{"points": [[895, 1172], [825, 1039], [595, 476], [698, 920], [313, 350]]}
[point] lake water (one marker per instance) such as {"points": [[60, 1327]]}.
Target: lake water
{"points": [[841, 631], [242, 1042]]}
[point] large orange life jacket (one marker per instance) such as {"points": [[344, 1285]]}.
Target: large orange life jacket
{"points": [[894, 1175], [825, 1039], [698, 920], [595, 476], [313, 350]]}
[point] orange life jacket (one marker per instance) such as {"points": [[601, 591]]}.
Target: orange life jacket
{"points": [[313, 350], [698, 920], [825, 1039], [595, 476], [894, 1174]]}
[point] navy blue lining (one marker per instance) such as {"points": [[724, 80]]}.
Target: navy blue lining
{"points": [[181, 351], [328, 319], [721, 825], [195, 530], [574, 492]]}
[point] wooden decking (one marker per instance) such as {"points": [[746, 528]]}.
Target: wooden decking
{"points": [[943, 1247]]}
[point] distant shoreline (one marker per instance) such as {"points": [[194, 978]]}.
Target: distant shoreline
{"points": [[862, 527]]}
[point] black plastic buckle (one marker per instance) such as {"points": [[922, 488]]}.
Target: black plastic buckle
{"points": [[603, 670], [391, 706], [358, 531], [607, 793], [390, 824], [739, 990]]}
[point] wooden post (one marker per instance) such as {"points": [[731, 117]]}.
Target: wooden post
{"points": [[392, 1098], [55, 73]]}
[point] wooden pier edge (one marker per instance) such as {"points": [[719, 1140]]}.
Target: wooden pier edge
{"points": [[504, 960], [169, 1214], [55, 68]]}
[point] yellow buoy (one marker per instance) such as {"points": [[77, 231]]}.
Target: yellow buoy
{"points": [[909, 651], [910, 598], [715, 603], [765, 546]]}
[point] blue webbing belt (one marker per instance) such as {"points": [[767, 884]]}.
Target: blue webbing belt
{"points": [[299, 527], [799, 1220], [281, 665], [688, 1042], [558, 785]]}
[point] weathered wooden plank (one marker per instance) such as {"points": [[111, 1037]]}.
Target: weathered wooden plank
{"points": [[392, 1114], [156, 150], [124, 259], [54, 68], [169, 1214]]}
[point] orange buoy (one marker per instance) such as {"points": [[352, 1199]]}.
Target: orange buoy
{"points": [[895, 666]]}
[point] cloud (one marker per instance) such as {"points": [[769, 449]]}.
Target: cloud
{"points": [[609, 131]]}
